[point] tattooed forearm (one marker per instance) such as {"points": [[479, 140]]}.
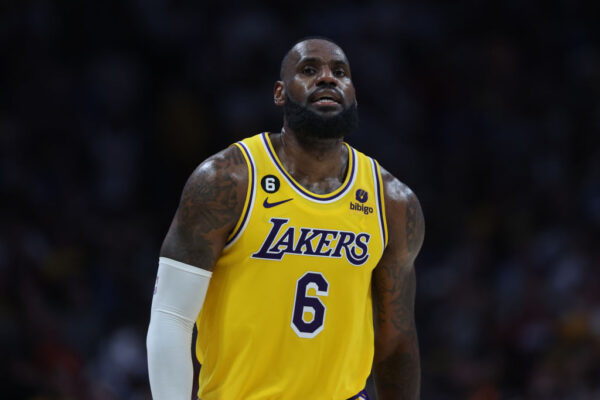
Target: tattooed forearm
{"points": [[398, 375]]}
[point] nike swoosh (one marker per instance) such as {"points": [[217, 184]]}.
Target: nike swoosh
{"points": [[266, 203]]}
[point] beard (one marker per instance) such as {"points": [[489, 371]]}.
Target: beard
{"points": [[309, 125]]}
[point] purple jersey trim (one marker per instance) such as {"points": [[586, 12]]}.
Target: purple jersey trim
{"points": [[299, 188], [379, 201], [362, 395], [252, 179]]}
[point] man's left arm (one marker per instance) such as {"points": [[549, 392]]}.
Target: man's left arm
{"points": [[396, 367]]}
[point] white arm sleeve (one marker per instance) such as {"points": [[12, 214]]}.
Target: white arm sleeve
{"points": [[178, 297]]}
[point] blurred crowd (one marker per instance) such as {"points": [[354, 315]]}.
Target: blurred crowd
{"points": [[489, 111]]}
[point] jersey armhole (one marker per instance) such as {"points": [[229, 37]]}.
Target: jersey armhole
{"points": [[250, 193], [380, 202]]}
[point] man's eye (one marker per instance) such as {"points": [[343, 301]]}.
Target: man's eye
{"points": [[308, 70], [339, 72]]}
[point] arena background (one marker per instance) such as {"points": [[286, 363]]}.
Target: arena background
{"points": [[489, 110]]}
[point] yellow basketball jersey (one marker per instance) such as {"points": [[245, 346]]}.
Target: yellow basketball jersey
{"points": [[288, 310]]}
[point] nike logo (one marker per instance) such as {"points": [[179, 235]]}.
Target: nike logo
{"points": [[266, 203]]}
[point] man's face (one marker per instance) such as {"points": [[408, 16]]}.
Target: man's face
{"points": [[317, 91]]}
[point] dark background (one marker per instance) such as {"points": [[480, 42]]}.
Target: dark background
{"points": [[488, 110]]}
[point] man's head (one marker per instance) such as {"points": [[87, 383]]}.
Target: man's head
{"points": [[316, 90]]}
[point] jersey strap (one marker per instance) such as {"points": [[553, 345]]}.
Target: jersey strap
{"points": [[250, 195], [380, 201]]}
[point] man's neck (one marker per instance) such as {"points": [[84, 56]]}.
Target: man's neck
{"points": [[319, 165]]}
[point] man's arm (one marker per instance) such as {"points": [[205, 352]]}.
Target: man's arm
{"points": [[210, 206], [396, 367]]}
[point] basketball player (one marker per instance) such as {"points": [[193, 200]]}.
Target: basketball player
{"points": [[279, 246]]}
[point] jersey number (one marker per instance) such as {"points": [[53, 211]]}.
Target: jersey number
{"points": [[270, 184], [305, 303]]}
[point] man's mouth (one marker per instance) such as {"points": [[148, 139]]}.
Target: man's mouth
{"points": [[326, 99]]}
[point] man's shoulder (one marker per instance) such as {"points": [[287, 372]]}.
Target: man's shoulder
{"points": [[219, 180], [403, 213], [228, 163], [210, 205], [395, 191]]}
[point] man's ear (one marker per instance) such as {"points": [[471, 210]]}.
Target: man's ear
{"points": [[279, 94]]}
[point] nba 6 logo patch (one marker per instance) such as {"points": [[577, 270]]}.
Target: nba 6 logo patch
{"points": [[270, 183]]}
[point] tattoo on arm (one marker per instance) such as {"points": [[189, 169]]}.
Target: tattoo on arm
{"points": [[209, 208], [396, 295], [399, 373], [395, 283], [415, 226], [397, 362]]}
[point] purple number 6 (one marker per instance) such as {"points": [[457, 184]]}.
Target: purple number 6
{"points": [[305, 303]]}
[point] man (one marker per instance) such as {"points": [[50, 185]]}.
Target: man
{"points": [[277, 249]]}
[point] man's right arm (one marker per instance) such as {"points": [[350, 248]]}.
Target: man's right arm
{"points": [[210, 206]]}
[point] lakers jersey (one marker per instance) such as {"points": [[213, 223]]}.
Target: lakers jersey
{"points": [[288, 310]]}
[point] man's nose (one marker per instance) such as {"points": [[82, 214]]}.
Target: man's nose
{"points": [[326, 77]]}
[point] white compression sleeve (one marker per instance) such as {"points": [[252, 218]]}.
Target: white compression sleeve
{"points": [[178, 297]]}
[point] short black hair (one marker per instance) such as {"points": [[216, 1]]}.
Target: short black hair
{"points": [[287, 55]]}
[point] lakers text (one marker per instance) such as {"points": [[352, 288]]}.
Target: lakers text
{"points": [[313, 242]]}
